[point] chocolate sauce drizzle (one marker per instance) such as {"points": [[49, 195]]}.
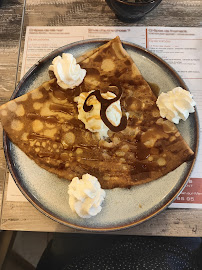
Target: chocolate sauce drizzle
{"points": [[105, 103]]}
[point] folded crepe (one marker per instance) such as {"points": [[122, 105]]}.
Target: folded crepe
{"points": [[44, 125]]}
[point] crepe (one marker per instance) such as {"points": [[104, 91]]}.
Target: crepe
{"points": [[44, 125]]}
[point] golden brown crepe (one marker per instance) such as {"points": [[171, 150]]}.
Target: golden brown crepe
{"points": [[44, 124]]}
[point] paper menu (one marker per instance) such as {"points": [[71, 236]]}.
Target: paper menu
{"points": [[13, 192], [180, 47]]}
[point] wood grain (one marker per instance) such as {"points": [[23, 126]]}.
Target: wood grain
{"points": [[10, 23], [22, 215], [88, 12]]}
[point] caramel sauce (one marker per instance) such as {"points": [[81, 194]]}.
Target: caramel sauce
{"points": [[127, 62], [135, 102], [84, 146], [59, 94], [93, 72], [34, 136], [105, 103], [46, 154], [49, 119], [60, 108], [142, 151], [155, 88], [62, 94], [98, 58]]}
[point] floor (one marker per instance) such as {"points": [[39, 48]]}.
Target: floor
{"points": [[27, 247], [24, 256]]}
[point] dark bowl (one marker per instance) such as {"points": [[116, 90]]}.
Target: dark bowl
{"points": [[131, 11]]}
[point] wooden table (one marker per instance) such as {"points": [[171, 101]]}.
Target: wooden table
{"points": [[22, 215]]}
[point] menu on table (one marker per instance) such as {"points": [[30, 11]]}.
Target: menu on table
{"points": [[180, 47]]}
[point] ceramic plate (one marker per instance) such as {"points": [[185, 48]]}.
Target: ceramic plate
{"points": [[122, 207]]}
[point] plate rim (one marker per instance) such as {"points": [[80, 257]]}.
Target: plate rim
{"points": [[41, 209]]}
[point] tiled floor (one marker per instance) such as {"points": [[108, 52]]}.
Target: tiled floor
{"points": [[29, 247]]}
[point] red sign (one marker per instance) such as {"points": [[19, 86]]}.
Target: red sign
{"points": [[192, 193]]}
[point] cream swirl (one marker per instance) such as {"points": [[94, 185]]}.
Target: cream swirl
{"points": [[92, 119], [86, 196], [176, 104], [68, 73]]}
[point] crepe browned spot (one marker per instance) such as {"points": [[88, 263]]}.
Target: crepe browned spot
{"points": [[44, 124]]}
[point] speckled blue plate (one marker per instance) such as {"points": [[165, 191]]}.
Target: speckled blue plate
{"points": [[122, 208]]}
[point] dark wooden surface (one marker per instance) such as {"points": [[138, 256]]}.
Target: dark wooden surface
{"points": [[97, 12], [22, 215]]}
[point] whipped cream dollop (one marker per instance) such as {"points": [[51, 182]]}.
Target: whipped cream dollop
{"points": [[68, 73], [86, 196], [92, 119], [176, 104]]}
